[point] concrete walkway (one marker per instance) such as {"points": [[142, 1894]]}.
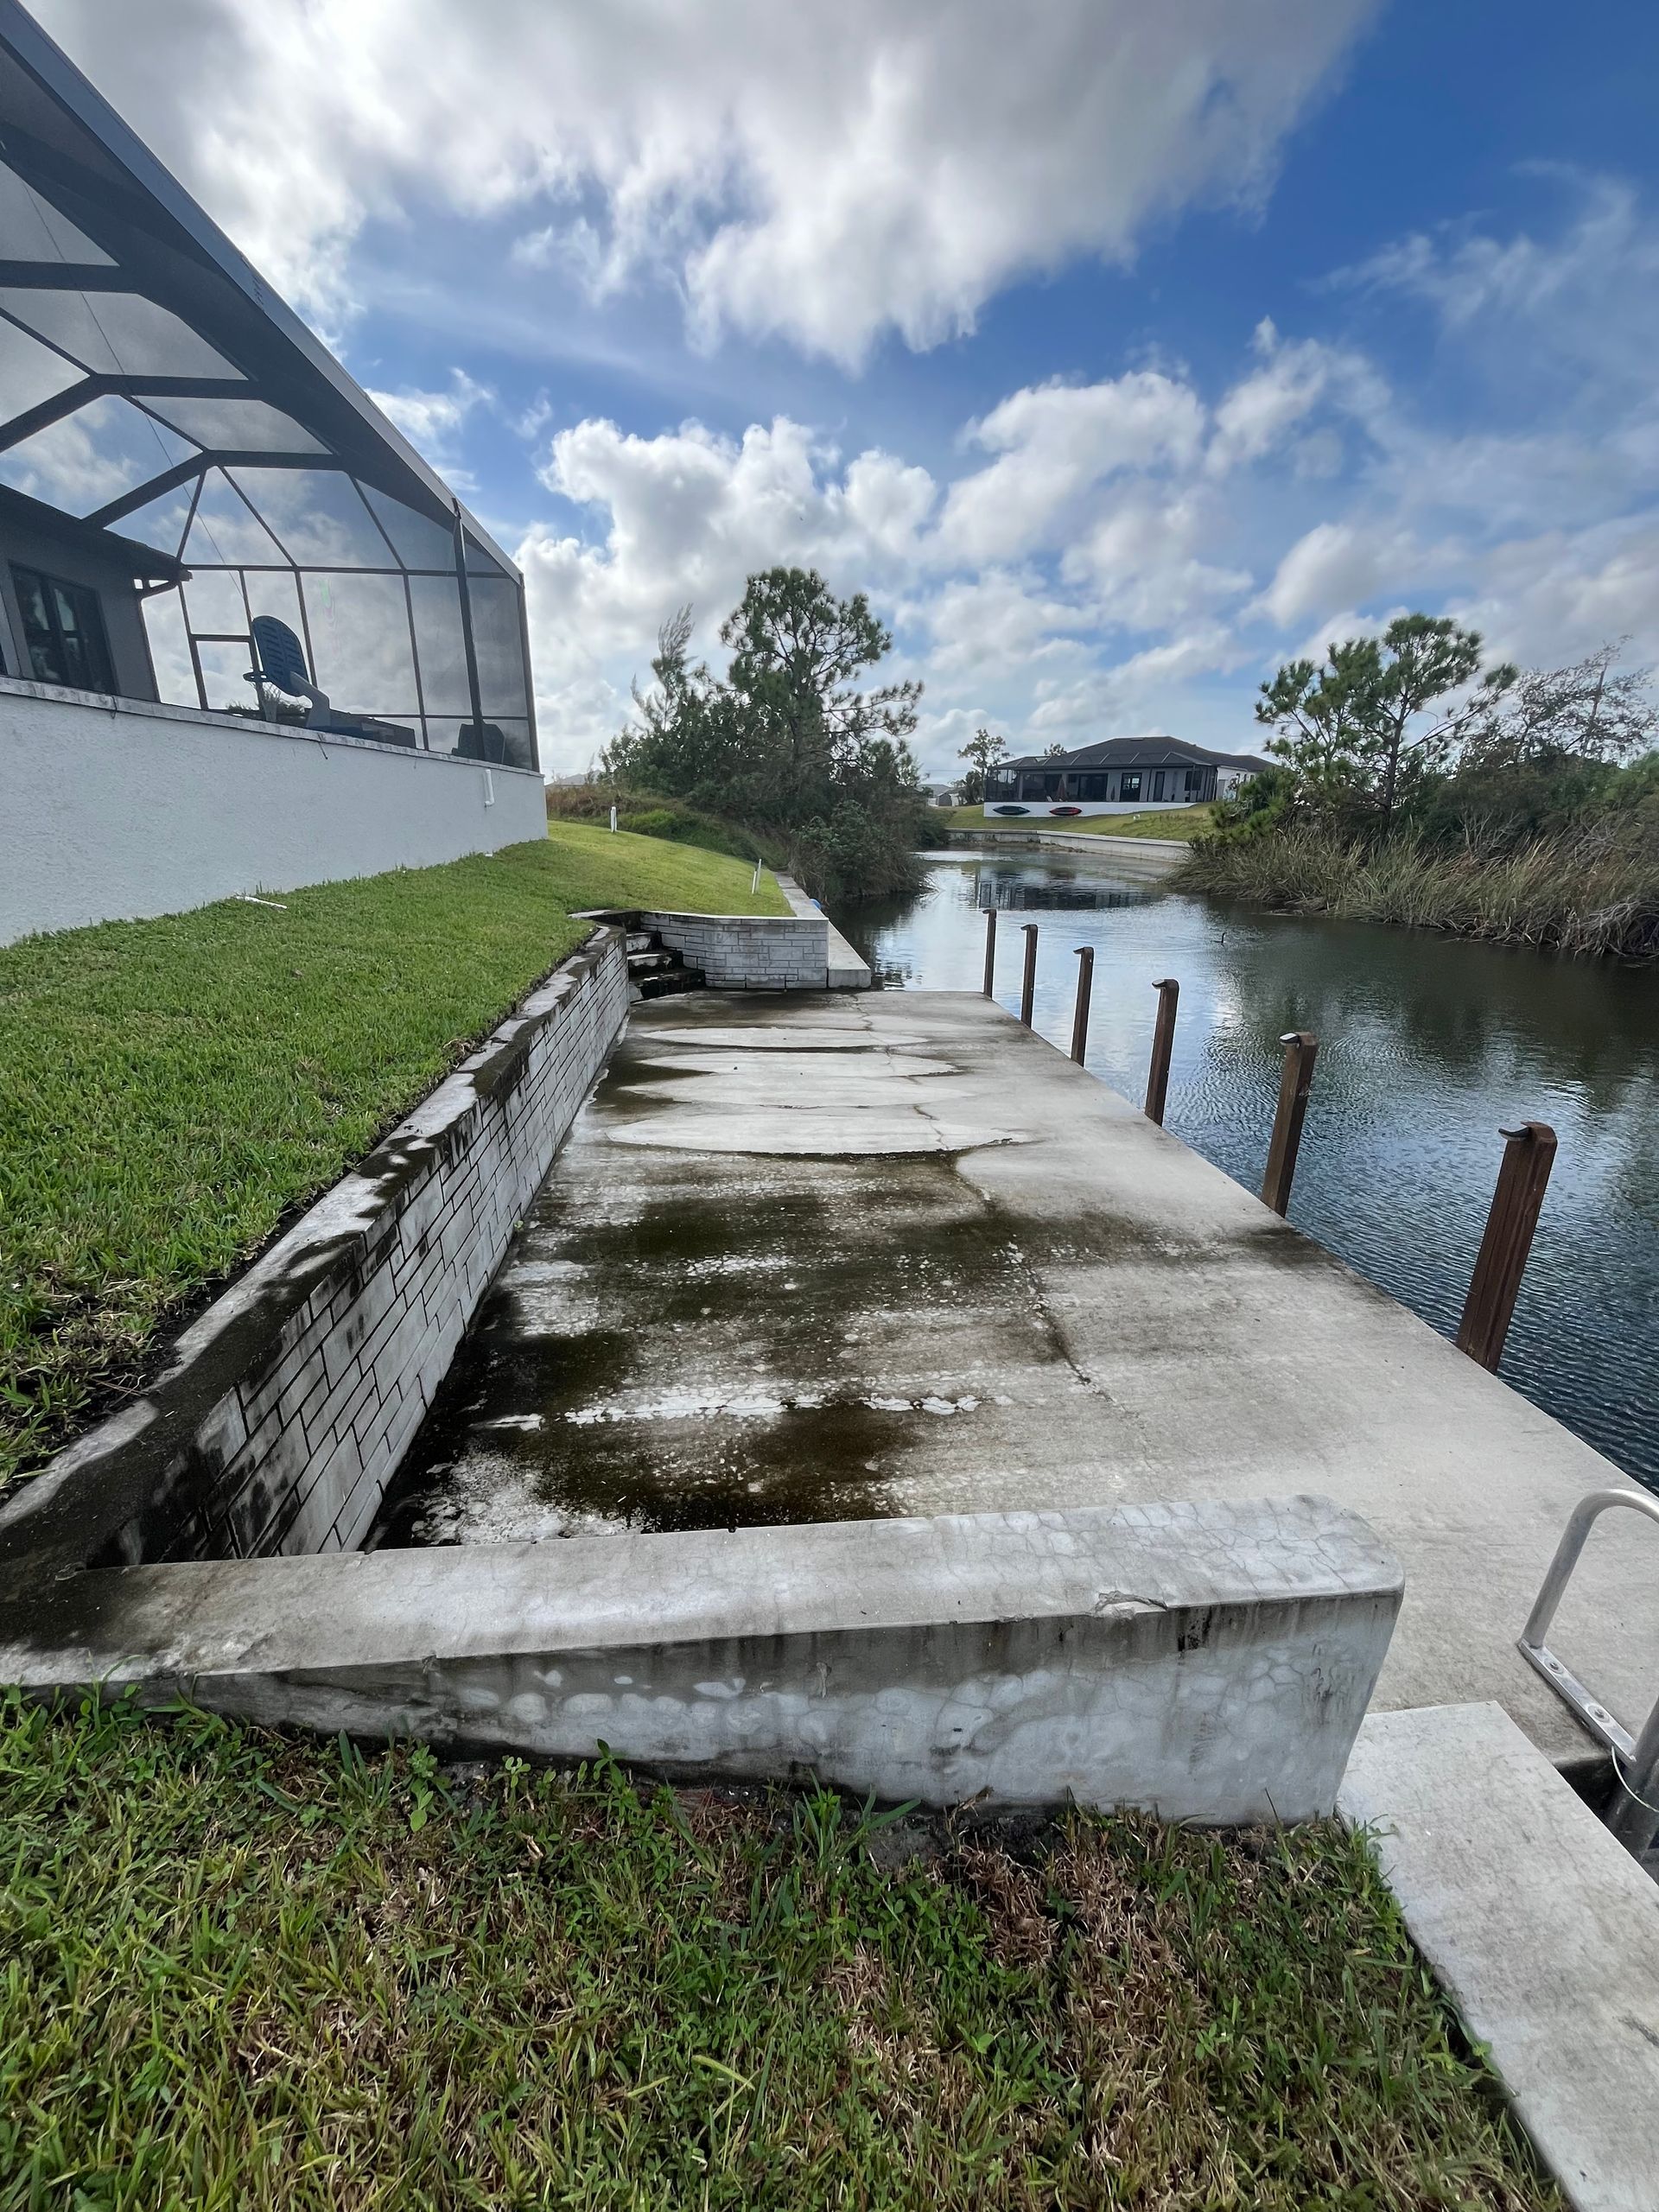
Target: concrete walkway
{"points": [[1544, 1928], [825, 1258]]}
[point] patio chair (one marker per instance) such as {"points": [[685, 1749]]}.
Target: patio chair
{"points": [[280, 663]]}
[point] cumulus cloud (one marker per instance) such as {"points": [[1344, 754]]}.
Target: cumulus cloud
{"points": [[1337, 565], [821, 174], [1107, 556], [1054, 444]]}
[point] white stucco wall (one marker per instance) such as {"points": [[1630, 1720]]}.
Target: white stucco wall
{"points": [[112, 808]]}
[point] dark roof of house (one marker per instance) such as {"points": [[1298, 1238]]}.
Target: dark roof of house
{"points": [[1154, 752]]}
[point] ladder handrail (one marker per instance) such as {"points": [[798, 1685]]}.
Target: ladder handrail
{"points": [[1635, 1818]]}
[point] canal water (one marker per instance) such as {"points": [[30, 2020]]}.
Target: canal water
{"points": [[1427, 1046]]}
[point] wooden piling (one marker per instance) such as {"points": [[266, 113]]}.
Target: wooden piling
{"points": [[990, 950], [1523, 1175], [1163, 1039], [1301, 1049], [1080, 1019], [1028, 985]]}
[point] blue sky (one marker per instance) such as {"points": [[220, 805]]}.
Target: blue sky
{"points": [[1119, 352]]}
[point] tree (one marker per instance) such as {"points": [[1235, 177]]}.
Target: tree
{"points": [[1382, 716], [796, 650], [1585, 712], [982, 752], [789, 742]]}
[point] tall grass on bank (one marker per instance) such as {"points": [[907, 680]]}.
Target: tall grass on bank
{"points": [[244, 1973], [170, 1090], [1580, 894]]}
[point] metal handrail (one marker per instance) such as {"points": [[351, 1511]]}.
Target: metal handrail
{"points": [[1635, 1818]]}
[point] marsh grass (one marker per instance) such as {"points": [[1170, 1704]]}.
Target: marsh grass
{"points": [[1581, 895], [172, 1091], [243, 1972]]}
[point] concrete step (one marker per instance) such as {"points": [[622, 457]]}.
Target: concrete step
{"points": [[1544, 1928], [642, 941], [651, 963], [674, 984]]}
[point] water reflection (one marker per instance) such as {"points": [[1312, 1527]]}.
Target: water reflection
{"points": [[1428, 1046]]}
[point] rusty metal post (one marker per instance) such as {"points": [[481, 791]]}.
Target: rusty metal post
{"points": [[1080, 1019], [1163, 1038], [1529, 1155], [990, 949], [1301, 1049], [1029, 986]]}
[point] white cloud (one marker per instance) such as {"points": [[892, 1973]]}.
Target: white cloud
{"points": [[1054, 443], [1341, 565], [1293, 379], [1584, 300], [821, 174], [433, 421]]}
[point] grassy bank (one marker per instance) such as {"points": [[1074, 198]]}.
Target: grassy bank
{"points": [[1183, 822], [1569, 893], [171, 1089], [250, 1974]]}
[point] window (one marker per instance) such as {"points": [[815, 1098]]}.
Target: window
{"points": [[1158, 784], [1129, 783], [1194, 782], [63, 633], [1096, 787]]}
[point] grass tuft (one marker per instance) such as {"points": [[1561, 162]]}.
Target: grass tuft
{"points": [[246, 1972], [171, 1090]]}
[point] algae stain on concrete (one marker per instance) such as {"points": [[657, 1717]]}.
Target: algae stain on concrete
{"points": [[709, 1351]]}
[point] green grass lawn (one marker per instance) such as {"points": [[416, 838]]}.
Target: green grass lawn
{"points": [[171, 1089], [246, 1972], [1183, 821]]}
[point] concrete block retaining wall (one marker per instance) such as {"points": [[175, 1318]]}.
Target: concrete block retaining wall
{"points": [[1211, 1662], [755, 952], [288, 1406]]}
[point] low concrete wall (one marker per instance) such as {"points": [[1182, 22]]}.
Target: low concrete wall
{"points": [[753, 952], [1211, 1662], [848, 969], [286, 1408], [114, 809], [1148, 857]]}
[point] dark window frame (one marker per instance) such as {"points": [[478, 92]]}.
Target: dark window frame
{"points": [[90, 637], [1129, 783]]}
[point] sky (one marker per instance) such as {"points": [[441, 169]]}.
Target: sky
{"points": [[1120, 353]]}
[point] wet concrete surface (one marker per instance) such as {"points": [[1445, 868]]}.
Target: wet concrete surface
{"points": [[804, 1258]]}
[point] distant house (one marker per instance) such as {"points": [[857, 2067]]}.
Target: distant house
{"points": [[942, 794], [1120, 775]]}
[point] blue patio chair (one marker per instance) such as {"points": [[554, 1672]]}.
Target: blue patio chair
{"points": [[281, 664]]}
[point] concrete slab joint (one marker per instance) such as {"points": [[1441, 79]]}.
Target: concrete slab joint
{"points": [[1209, 1661], [287, 1407]]}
